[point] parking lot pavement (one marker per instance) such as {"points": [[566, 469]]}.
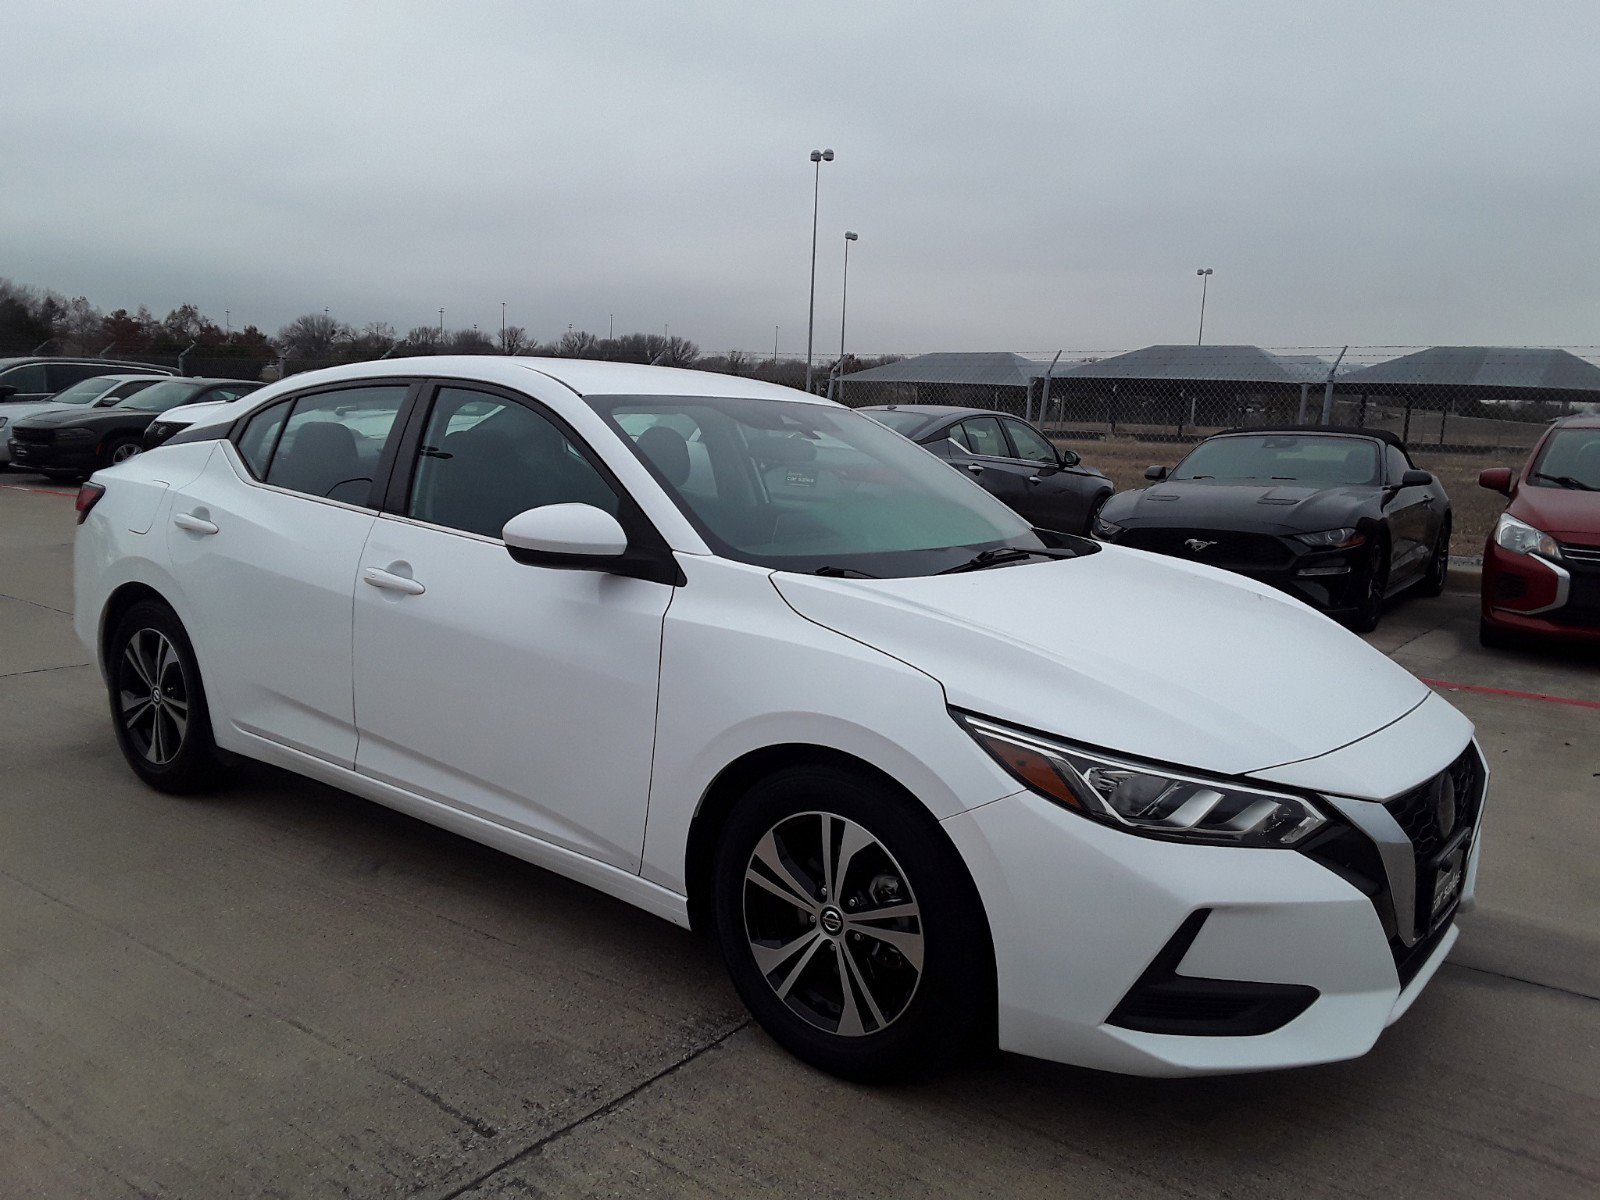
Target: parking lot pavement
{"points": [[285, 991]]}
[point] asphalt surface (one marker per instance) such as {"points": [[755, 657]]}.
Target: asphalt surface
{"points": [[285, 991]]}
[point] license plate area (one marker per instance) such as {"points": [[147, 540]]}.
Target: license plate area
{"points": [[1446, 874]]}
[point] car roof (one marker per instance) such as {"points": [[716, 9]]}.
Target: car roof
{"points": [[1577, 421], [144, 368], [1382, 435], [934, 410]]}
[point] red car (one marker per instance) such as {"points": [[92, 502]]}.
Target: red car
{"points": [[1541, 564]]}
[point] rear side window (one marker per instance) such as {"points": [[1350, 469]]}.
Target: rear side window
{"points": [[331, 443], [62, 375], [984, 436], [260, 437]]}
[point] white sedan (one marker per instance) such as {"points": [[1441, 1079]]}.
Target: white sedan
{"points": [[755, 663]]}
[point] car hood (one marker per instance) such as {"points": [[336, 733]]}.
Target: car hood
{"points": [[1559, 510], [1272, 507], [21, 412], [84, 417], [1129, 651]]}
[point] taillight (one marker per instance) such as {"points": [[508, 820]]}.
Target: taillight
{"points": [[88, 496]]}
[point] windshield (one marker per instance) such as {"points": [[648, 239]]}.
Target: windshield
{"points": [[900, 422], [808, 487], [159, 397], [1316, 459], [85, 391], [1571, 459]]}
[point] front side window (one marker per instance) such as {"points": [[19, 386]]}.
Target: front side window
{"points": [[484, 459], [27, 379], [1030, 444], [802, 487], [984, 436], [1319, 460], [1570, 459], [332, 441]]}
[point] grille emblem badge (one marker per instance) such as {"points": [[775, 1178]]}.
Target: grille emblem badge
{"points": [[1198, 544], [1444, 805]]}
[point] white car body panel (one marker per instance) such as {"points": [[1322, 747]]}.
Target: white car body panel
{"points": [[577, 719]]}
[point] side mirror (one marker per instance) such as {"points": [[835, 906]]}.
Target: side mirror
{"points": [[1156, 473], [577, 537], [1070, 458], [7, 390], [1496, 479], [1416, 479]]}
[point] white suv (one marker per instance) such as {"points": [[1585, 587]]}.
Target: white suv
{"points": [[751, 661]]}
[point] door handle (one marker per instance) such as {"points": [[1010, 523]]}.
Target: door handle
{"points": [[1035, 479], [193, 523], [975, 468], [1427, 502], [392, 583]]}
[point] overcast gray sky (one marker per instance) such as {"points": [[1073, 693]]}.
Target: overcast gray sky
{"points": [[1023, 176]]}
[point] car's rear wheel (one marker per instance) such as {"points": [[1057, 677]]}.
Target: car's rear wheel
{"points": [[1438, 565], [1376, 590], [121, 450], [158, 702], [850, 926]]}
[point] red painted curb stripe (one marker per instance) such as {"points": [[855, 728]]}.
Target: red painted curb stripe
{"points": [[1494, 691], [17, 487]]}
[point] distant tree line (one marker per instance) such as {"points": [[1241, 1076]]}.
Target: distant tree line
{"points": [[34, 321]]}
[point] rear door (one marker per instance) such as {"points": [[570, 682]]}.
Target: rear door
{"points": [[989, 460], [267, 542]]}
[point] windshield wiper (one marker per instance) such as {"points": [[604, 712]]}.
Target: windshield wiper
{"points": [[1001, 555], [844, 573], [1567, 481]]}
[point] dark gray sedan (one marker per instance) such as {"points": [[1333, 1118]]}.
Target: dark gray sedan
{"points": [[1050, 488]]}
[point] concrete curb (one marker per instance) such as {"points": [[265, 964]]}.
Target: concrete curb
{"points": [[1464, 577]]}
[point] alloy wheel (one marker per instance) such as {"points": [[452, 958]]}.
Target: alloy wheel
{"points": [[153, 697], [833, 924], [123, 452]]}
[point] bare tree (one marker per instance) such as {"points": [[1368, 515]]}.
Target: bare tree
{"points": [[311, 335], [469, 341], [80, 327], [514, 339], [578, 343], [422, 339]]}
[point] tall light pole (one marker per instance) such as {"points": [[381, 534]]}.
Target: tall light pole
{"points": [[844, 299], [818, 157], [503, 327], [1205, 278], [441, 322], [775, 345]]}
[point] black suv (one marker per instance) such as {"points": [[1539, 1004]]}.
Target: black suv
{"points": [[24, 379]]}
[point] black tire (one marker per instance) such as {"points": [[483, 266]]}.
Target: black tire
{"points": [[1375, 592], [1094, 511], [1438, 565], [156, 694], [120, 450], [899, 1020]]}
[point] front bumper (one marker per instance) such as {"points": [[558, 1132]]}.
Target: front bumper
{"points": [[1083, 915], [1333, 581], [52, 456], [1526, 594]]}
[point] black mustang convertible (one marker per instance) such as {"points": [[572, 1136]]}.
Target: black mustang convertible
{"points": [[1338, 517]]}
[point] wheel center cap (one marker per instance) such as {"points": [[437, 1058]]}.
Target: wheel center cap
{"points": [[832, 920]]}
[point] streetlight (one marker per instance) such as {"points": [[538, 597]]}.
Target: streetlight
{"points": [[819, 157], [503, 327], [844, 298], [1205, 278], [441, 322]]}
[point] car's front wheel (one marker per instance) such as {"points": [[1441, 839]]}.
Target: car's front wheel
{"points": [[1375, 590], [850, 926], [1438, 564], [158, 702]]}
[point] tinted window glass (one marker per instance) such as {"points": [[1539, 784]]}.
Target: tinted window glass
{"points": [[60, 375], [260, 437], [129, 388], [1320, 460], [332, 441], [901, 422], [484, 459], [1398, 465], [26, 379], [959, 436], [1030, 444], [159, 397], [984, 437]]}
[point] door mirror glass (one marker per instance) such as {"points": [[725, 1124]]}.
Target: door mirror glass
{"points": [[1414, 478], [1070, 458], [1496, 479], [1155, 472], [574, 536]]}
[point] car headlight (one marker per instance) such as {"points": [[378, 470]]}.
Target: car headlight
{"points": [[1106, 531], [75, 435], [1146, 799], [1331, 539], [160, 432], [1521, 538]]}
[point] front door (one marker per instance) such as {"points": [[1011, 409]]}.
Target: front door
{"points": [[524, 695]]}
